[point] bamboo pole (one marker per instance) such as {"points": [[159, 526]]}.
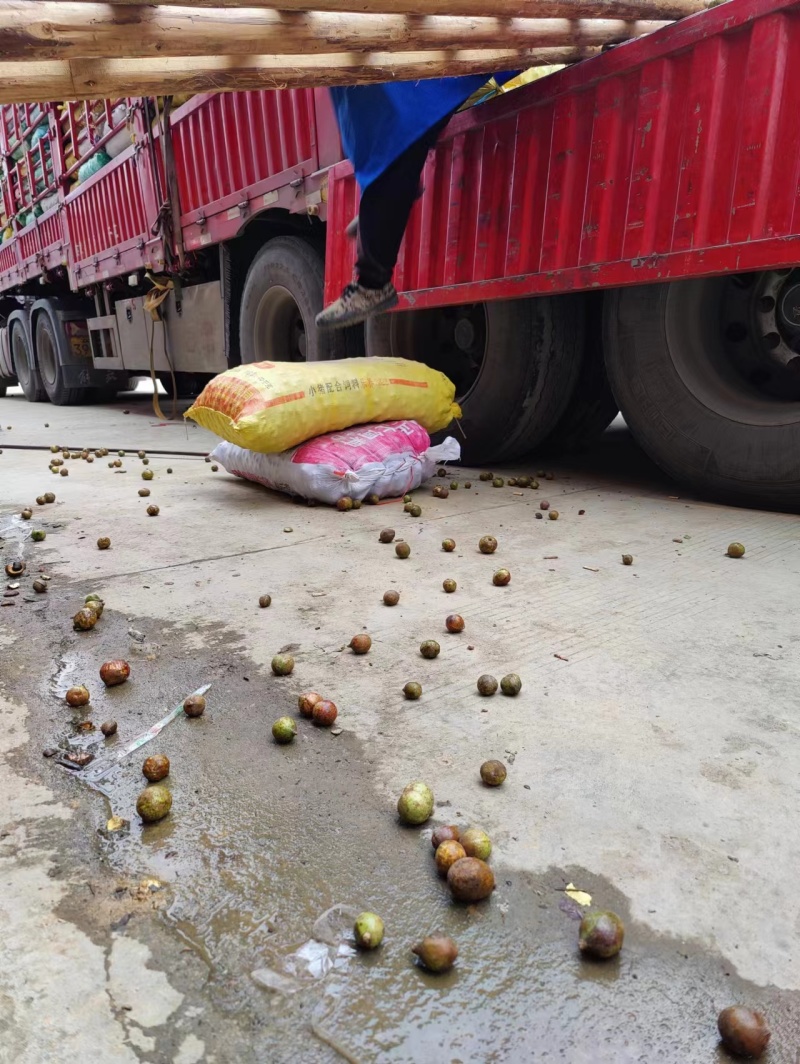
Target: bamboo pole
{"points": [[626, 9], [44, 29], [80, 79]]}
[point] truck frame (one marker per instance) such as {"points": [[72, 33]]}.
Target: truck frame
{"points": [[623, 234]]}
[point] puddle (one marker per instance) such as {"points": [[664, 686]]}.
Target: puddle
{"points": [[263, 840]]}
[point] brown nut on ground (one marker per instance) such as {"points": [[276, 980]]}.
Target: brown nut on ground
{"points": [[194, 706], [454, 623], [77, 696], [493, 773], [470, 880], [103, 543], [391, 598], [447, 853], [156, 767], [360, 644], [744, 1032]]}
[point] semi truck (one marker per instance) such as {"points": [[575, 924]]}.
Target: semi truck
{"points": [[621, 235]]}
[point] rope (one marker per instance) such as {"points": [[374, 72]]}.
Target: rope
{"points": [[152, 302]]}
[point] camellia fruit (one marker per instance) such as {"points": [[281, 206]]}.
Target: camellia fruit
{"points": [[447, 854], [501, 578], [324, 713], [307, 701], [429, 649], [487, 544], [600, 935], [448, 545], [437, 953], [77, 696], [415, 804], [153, 803], [470, 880], [156, 767], [282, 664], [194, 706], [511, 684], [368, 931], [360, 644], [113, 673], [487, 685], [493, 773], [476, 843], [743, 1031], [386, 535], [412, 691], [284, 730], [391, 598], [443, 833], [454, 623]]}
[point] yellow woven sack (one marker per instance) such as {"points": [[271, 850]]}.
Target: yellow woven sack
{"points": [[271, 406]]}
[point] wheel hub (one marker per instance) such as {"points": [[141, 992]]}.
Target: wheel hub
{"points": [[789, 308]]}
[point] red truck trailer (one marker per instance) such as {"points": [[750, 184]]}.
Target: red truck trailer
{"points": [[623, 234]]}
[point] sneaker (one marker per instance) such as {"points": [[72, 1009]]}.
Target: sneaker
{"points": [[356, 304]]}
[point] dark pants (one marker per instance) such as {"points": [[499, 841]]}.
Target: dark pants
{"points": [[385, 208]]}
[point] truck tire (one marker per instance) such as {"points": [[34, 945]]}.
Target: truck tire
{"points": [[51, 351], [514, 364], [701, 371], [591, 407], [22, 356], [281, 298]]}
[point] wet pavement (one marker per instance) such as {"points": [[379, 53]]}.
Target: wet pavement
{"points": [[652, 763]]}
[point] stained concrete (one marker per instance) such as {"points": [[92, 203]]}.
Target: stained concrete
{"points": [[652, 760]]}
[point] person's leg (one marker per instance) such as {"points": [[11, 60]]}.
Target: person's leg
{"points": [[382, 218]]}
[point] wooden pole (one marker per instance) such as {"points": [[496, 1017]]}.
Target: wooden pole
{"points": [[80, 79], [44, 29], [627, 9]]}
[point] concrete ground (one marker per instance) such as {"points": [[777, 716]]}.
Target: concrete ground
{"points": [[652, 761]]}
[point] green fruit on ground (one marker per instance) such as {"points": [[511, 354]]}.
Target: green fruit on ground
{"points": [[147, 474], [344, 504], [437, 953], [429, 649], [415, 804], [511, 684], [38, 535], [448, 545], [493, 773], [153, 803], [412, 691], [486, 476], [627, 559], [368, 931], [470, 880], [498, 482], [282, 664], [26, 514], [735, 550], [284, 730], [743, 1031], [406, 498], [415, 511], [553, 515], [601, 934], [453, 485], [487, 544], [476, 843], [449, 586], [501, 578], [487, 685]]}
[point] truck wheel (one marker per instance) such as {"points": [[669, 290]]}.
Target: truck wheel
{"points": [[51, 351], [706, 375], [592, 406], [514, 364], [24, 364], [281, 298]]}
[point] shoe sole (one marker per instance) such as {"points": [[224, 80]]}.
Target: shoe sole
{"points": [[354, 317]]}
